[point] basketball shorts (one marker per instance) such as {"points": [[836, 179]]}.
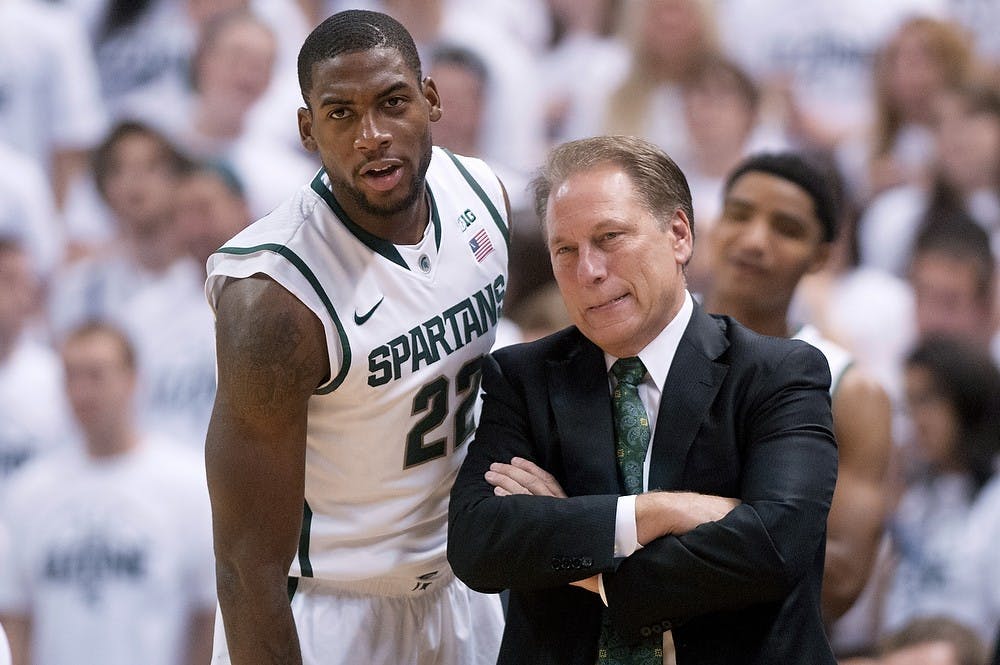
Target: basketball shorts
{"points": [[391, 621]]}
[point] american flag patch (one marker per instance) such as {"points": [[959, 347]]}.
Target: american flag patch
{"points": [[480, 245]]}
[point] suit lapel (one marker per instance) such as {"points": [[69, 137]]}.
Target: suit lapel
{"points": [[691, 386], [581, 405]]}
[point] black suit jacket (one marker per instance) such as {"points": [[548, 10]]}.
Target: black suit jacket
{"points": [[742, 415]]}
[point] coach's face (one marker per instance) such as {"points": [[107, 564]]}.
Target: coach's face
{"points": [[619, 268], [369, 120]]}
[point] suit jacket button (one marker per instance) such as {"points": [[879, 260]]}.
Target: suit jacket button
{"points": [[587, 562], [577, 562], [646, 632]]}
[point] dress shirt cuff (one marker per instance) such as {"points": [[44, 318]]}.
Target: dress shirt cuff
{"points": [[600, 589], [626, 533]]}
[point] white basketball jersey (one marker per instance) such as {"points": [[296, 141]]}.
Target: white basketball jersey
{"points": [[406, 328], [837, 357]]}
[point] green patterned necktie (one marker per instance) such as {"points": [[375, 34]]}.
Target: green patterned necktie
{"points": [[631, 442]]}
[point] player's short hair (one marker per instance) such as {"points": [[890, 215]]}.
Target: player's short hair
{"points": [[799, 170], [101, 328], [352, 31], [659, 182], [958, 237]]}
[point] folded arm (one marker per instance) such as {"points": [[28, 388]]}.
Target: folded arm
{"points": [[520, 541], [763, 547], [511, 524]]}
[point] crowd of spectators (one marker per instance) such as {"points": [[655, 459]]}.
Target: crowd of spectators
{"points": [[138, 135]]}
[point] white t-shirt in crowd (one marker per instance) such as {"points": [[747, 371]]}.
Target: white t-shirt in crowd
{"points": [[49, 93], [110, 557], [34, 414]]}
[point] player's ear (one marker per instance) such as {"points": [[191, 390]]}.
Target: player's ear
{"points": [[305, 130], [430, 91]]}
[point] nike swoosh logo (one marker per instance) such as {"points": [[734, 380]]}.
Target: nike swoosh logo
{"points": [[359, 320]]}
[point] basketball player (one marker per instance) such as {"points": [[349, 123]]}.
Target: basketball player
{"points": [[777, 224], [351, 322]]}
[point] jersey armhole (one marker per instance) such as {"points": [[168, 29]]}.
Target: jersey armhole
{"points": [[481, 193], [317, 289]]}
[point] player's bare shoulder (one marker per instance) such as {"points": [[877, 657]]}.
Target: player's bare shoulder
{"points": [[270, 346]]}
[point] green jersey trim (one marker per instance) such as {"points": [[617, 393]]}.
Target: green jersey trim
{"points": [[301, 266], [477, 188], [305, 565], [378, 245]]}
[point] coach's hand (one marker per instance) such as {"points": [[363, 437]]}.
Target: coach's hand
{"points": [[522, 476]]}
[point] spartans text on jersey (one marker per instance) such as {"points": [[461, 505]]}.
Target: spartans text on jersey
{"points": [[439, 336]]}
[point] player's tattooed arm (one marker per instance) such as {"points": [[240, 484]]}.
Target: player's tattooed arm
{"points": [[271, 356]]}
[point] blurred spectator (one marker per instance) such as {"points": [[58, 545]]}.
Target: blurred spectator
{"points": [[720, 104], [211, 209], [586, 60], [980, 18], [50, 106], [28, 211], [977, 573], [667, 38], [541, 312], [462, 79], [34, 417], [231, 70], [966, 181], [865, 310], [778, 223], [135, 172], [923, 57], [135, 42], [932, 641], [147, 284], [813, 58], [113, 560], [953, 397], [524, 22], [513, 131], [953, 275]]}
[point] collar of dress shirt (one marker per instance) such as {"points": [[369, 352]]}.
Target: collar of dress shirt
{"points": [[658, 355]]}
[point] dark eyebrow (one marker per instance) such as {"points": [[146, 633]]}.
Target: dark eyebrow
{"points": [[332, 100]]}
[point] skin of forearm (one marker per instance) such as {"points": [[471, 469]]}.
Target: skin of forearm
{"points": [[260, 629]]}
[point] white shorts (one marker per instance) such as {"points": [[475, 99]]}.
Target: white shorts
{"points": [[391, 622]]}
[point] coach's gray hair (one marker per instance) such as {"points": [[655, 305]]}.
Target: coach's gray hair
{"points": [[659, 182]]}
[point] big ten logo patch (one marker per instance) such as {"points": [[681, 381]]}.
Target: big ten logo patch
{"points": [[466, 219]]}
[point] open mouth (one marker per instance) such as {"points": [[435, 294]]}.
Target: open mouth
{"points": [[383, 177]]}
